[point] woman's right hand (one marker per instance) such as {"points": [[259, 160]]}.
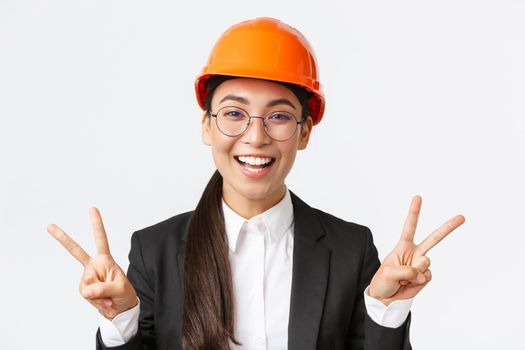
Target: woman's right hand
{"points": [[103, 282]]}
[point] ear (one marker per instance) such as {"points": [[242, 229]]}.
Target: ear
{"points": [[206, 130], [305, 131]]}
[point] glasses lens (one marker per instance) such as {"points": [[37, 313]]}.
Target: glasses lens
{"points": [[232, 120], [280, 125]]}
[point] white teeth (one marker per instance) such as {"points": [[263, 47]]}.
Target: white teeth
{"points": [[254, 160], [254, 170]]}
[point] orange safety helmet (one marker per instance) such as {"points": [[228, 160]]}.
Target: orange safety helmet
{"points": [[265, 48]]}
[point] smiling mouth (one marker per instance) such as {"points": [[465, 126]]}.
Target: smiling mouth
{"points": [[255, 162]]}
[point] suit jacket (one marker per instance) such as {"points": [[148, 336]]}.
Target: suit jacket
{"points": [[333, 262]]}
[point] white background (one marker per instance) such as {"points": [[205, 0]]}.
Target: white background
{"points": [[97, 108]]}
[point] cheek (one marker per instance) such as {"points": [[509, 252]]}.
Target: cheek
{"points": [[288, 154], [221, 147]]}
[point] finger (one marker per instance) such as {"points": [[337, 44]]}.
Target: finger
{"points": [[428, 276], [409, 228], [443, 231], [404, 274], [101, 239], [90, 276], [101, 303], [421, 263], [89, 280], [72, 246], [103, 290], [88, 295]]}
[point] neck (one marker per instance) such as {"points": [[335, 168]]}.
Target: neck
{"points": [[250, 207]]}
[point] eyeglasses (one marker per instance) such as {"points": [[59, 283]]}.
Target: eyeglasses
{"points": [[233, 121]]}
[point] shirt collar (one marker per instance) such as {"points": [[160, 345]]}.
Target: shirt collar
{"points": [[276, 220]]}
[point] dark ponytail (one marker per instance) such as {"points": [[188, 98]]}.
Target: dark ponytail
{"points": [[207, 313], [208, 303]]}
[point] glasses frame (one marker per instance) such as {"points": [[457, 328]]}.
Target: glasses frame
{"points": [[214, 115]]}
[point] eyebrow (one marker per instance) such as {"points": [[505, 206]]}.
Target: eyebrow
{"points": [[272, 103]]}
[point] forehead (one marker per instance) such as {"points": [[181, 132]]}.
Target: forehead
{"points": [[255, 90]]}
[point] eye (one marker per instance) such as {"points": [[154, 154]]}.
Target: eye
{"points": [[234, 114], [280, 117]]}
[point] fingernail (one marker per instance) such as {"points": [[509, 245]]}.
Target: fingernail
{"points": [[86, 293], [421, 278]]}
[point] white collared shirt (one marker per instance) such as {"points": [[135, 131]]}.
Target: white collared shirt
{"points": [[261, 257]]}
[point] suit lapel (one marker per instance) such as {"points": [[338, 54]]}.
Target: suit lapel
{"points": [[310, 274], [181, 253], [180, 263]]}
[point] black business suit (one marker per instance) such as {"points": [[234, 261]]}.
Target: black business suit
{"points": [[333, 262]]}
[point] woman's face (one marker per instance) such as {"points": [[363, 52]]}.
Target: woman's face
{"points": [[241, 182]]}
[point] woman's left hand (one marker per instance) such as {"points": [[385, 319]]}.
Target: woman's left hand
{"points": [[404, 271]]}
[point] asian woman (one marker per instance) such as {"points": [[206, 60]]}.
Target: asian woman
{"points": [[254, 266]]}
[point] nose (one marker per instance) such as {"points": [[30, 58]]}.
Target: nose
{"points": [[256, 134]]}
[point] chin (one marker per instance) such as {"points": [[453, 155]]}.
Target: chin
{"points": [[255, 191]]}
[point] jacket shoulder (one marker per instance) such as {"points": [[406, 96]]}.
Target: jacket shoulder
{"points": [[338, 230], [333, 230], [352, 244], [168, 230]]}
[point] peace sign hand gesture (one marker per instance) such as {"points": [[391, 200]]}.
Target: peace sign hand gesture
{"points": [[103, 282], [404, 272]]}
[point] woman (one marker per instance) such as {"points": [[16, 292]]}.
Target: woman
{"points": [[254, 266]]}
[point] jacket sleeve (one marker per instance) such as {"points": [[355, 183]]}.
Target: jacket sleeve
{"points": [[364, 333], [144, 339]]}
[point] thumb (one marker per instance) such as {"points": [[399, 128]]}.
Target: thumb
{"points": [[406, 273], [99, 290]]}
